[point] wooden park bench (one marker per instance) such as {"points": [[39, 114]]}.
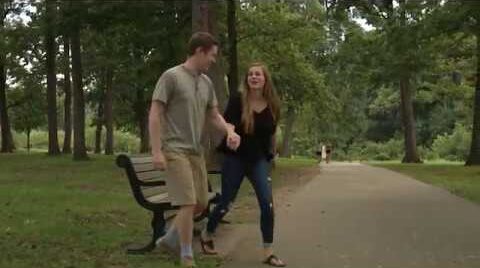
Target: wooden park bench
{"points": [[149, 189]]}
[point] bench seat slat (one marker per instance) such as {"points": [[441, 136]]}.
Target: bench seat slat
{"points": [[154, 191], [150, 191], [159, 198]]}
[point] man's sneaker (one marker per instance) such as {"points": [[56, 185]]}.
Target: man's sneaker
{"points": [[164, 246], [187, 262]]}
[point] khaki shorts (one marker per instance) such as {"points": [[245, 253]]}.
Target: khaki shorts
{"points": [[186, 182]]}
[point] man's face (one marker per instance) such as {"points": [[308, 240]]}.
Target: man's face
{"points": [[207, 58]]}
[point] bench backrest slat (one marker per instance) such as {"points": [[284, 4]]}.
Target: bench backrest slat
{"points": [[151, 191], [143, 167], [141, 160], [151, 175]]}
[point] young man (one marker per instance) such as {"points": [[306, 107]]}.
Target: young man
{"points": [[184, 98]]}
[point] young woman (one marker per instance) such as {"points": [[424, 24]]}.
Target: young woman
{"points": [[254, 115]]}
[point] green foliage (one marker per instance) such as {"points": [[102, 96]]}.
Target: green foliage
{"points": [[392, 149], [28, 110], [368, 150], [123, 141], [339, 79], [454, 146], [288, 35]]}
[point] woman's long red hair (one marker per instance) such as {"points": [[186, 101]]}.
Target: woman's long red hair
{"points": [[269, 93]]}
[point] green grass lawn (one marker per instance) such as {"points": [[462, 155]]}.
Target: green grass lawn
{"points": [[453, 176], [60, 213]]}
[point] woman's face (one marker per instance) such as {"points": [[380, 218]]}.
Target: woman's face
{"points": [[256, 78]]}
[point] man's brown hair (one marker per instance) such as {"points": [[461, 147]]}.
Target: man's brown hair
{"points": [[202, 40]]}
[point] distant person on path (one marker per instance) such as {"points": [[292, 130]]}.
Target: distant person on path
{"points": [[318, 154], [254, 114], [184, 98], [328, 153]]}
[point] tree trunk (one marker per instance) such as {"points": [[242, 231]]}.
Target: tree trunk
{"points": [[204, 19], [99, 122], [109, 112], [200, 15], [7, 139], [232, 49], [28, 140], [50, 48], [288, 134], [474, 156], [406, 102], [142, 121], [67, 126], [408, 121], [144, 137], [79, 148]]}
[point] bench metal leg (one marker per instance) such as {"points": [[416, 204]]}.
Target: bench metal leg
{"points": [[158, 227]]}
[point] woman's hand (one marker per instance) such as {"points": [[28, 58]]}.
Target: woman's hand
{"points": [[233, 140]]}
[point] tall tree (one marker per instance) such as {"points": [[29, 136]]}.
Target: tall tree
{"points": [[29, 103], [142, 121], [408, 117], [474, 155], [406, 43], [288, 35], [67, 125], [204, 18], [100, 115], [7, 139], [108, 109], [232, 48], [79, 148], [472, 19], [50, 48]]}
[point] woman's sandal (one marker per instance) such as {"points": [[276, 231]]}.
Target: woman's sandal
{"points": [[208, 247], [274, 261]]}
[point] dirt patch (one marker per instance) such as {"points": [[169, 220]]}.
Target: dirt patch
{"points": [[291, 181]]}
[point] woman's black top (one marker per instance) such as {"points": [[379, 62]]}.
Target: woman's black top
{"points": [[257, 144]]}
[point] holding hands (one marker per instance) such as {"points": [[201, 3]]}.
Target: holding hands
{"points": [[233, 139]]}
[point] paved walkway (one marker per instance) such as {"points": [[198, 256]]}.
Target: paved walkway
{"points": [[353, 215]]}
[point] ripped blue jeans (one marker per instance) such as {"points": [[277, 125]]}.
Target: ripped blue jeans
{"points": [[234, 169]]}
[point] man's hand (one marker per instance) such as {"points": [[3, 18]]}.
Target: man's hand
{"points": [[159, 162], [233, 140]]}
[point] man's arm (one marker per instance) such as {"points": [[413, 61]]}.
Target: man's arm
{"points": [[155, 120], [217, 120]]}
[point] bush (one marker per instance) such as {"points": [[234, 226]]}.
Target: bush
{"points": [[390, 150], [20, 139], [126, 142], [454, 146]]}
